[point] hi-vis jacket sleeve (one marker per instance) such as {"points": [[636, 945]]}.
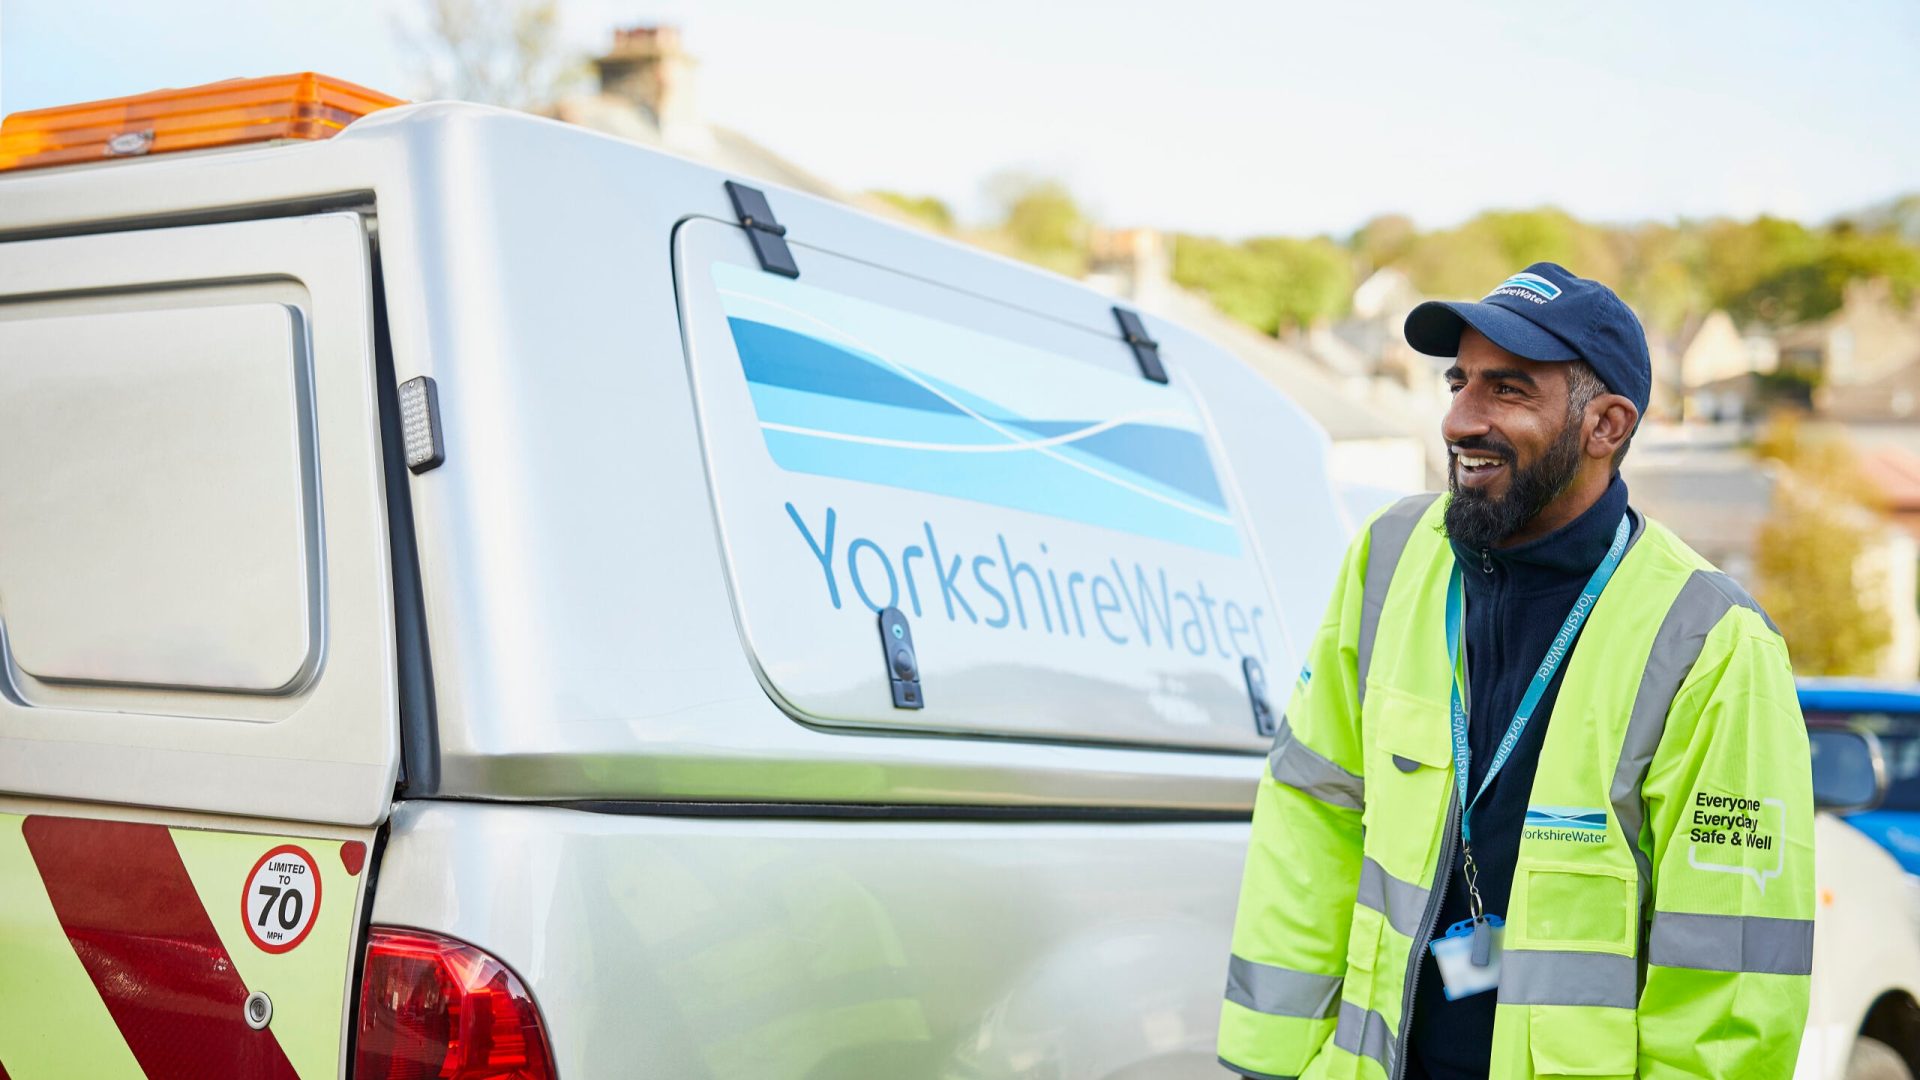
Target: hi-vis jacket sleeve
{"points": [[1729, 826], [1303, 863]]}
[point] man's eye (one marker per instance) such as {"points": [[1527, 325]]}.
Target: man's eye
{"points": [[1454, 388]]}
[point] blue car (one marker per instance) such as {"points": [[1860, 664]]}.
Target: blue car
{"points": [[1891, 711]]}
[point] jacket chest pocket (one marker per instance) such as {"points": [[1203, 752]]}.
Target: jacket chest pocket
{"points": [[1409, 773], [1565, 905], [1409, 731]]}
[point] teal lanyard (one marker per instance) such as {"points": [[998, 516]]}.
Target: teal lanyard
{"points": [[1562, 643]]}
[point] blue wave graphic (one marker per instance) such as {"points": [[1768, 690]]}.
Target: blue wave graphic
{"points": [[832, 410], [1173, 457], [776, 356], [1537, 285], [1565, 817]]}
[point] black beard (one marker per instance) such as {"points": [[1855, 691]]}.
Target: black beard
{"points": [[1476, 520]]}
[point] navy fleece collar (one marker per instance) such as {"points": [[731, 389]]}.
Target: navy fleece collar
{"points": [[1571, 551]]}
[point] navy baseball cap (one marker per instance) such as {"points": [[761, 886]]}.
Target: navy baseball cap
{"points": [[1546, 313]]}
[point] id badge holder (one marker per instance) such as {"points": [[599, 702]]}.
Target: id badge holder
{"points": [[1453, 952]]}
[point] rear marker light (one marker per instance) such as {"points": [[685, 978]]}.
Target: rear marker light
{"points": [[432, 1008], [420, 424]]}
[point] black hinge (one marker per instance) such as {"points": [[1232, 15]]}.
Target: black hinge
{"points": [[1145, 349], [768, 235], [1257, 693]]}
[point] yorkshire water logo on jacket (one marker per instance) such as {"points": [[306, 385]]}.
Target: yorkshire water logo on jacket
{"points": [[1576, 824]]}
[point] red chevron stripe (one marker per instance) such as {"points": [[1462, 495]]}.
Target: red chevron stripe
{"points": [[130, 910]]}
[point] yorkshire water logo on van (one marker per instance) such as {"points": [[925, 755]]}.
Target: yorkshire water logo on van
{"points": [[1014, 488], [1530, 287], [854, 390], [1577, 824]]}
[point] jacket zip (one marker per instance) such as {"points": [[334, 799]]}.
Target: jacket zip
{"points": [[1443, 876], [1442, 879]]}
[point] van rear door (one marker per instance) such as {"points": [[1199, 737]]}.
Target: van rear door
{"points": [[198, 731]]}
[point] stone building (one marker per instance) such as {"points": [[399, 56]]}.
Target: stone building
{"points": [[648, 93], [1873, 335]]}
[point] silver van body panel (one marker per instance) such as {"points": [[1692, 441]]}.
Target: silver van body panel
{"points": [[583, 641], [686, 947]]}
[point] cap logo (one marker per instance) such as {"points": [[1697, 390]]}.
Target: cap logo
{"points": [[1527, 287]]}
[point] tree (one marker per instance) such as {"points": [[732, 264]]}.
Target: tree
{"points": [[1809, 555], [1768, 271], [498, 52], [1478, 255], [1759, 270], [1781, 272], [1549, 235], [1659, 274], [1855, 253], [1900, 217], [926, 209], [1384, 240], [1041, 222], [1313, 278], [1271, 282], [1456, 263]]}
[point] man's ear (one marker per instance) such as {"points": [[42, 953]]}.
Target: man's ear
{"points": [[1614, 418]]}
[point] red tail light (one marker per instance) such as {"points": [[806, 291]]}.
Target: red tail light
{"points": [[432, 1008]]}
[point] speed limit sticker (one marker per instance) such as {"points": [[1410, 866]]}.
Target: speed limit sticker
{"points": [[282, 898]]}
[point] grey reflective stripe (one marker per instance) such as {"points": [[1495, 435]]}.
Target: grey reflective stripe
{"points": [[1751, 944], [1279, 991], [1252, 1074], [1363, 1032], [1298, 766], [1539, 977], [1386, 539], [1701, 603], [1402, 902]]}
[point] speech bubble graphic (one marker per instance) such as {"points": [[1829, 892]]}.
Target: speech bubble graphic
{"points": [[1760, 876]]}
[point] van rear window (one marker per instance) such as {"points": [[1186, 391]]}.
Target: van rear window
{"points": [[155, 519], [1056, 529]]}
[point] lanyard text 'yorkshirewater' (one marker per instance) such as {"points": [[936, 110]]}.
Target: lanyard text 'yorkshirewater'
{"points": [[1542, 676]]}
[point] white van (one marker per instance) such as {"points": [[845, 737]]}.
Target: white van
{"points": [[462, 543], [482, 599]]}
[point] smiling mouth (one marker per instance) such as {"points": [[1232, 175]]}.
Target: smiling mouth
{"points": [[1477, 465]]}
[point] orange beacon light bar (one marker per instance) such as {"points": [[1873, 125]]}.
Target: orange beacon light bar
{"points": [[230, 113]]}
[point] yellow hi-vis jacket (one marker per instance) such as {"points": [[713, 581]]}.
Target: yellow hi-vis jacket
{"points": [[1675, 942]]}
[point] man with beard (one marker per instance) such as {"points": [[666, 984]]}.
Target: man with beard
{"points": [[1540, 804]]}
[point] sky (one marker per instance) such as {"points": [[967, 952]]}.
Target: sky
{"points": [[1230, 118]]}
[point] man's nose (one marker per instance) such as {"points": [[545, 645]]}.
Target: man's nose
{"points": [[1466, 417]]}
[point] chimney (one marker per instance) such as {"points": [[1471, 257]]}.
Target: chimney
{"points": [[648, 69], [1136, 261]]}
